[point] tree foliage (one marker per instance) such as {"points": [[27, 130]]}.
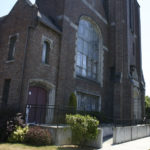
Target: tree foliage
{"points": [[147, 106], [73, 101], [147, 101]]}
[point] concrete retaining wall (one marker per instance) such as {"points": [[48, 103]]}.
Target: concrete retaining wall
{"points": [[124, 134], [107, 131], [62, 135]]}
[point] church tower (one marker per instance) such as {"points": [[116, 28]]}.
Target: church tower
{"points": [[124, 19]]}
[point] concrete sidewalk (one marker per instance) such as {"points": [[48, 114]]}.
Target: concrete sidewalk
{"points": [[141, 144]]}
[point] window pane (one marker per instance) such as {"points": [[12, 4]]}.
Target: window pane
{"points": [[6, 91], [44, 53], [86, 35], [79, 101], [89, 68], [88, 45], [93, 103], [89, 74], [79, 70], [82, 100], [96, 45], [89, 65], [80, 45], [84, 72], [47, 53], [87, 102], [12, 47], [84, 61], [90, 50], [94, 76], [94, 68], [85, 23], [79, 59], [81, 31], [85, 48], [95, 56]]}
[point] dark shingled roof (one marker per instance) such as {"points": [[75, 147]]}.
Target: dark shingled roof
{"points": [[29, 2], [2, 18], [46, 21]]}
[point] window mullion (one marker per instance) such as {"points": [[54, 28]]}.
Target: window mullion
{"points": [[87, 46]]}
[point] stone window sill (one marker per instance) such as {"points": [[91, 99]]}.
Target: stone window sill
{"points": [[47, 65], [88, 79], [10, 61]]}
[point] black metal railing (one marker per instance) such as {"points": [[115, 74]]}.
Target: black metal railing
{"points": [[49, 114], [52, 114]]}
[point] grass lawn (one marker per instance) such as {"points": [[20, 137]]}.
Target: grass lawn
{"points": [[8, 146]]}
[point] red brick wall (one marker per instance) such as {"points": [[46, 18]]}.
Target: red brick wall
{"points": [[116, 95], [17, 21]]}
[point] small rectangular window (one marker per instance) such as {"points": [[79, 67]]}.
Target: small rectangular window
{"points": [[112, 73], [133, 49], [12, 44], [6, 91], [45, 53], [131, 13]]}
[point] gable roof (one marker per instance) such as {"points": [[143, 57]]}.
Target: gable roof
{"points": [[41, 17]]}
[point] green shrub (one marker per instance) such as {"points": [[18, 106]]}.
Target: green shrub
{"points": [[14, 122], [84, 128], [18, 135], [6, 113], [9, 120], [100, 116], [73, 101], [147, 107], [38, 136]]}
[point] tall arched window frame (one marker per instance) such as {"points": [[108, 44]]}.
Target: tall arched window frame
{"points": [[12, 46], [89, 43]]}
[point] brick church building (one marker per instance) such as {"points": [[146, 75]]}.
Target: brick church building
{"points": [[53, 48]]}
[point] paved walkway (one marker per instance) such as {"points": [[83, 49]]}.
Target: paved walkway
{"points": [[141, 144]]}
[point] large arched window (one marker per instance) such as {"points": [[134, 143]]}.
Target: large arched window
{"points": [[88, 44]]}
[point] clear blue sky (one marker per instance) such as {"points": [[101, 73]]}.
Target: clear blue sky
{"points": [[145, 31], [6, 6]]}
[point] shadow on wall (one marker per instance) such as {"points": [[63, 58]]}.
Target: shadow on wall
{"points": [[74, 148]]}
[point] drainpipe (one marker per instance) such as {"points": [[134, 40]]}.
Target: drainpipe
{"points": [[25, 58], [23, 65], [58, 71]]}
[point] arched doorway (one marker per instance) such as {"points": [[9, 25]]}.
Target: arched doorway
{"points": [[37, 101]]}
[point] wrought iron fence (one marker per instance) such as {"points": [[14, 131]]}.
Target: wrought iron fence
{"points": [[49, 114], [52, 114]]}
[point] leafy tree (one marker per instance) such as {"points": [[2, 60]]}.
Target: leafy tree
{"points": [[147, 101], [147, 106]]}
